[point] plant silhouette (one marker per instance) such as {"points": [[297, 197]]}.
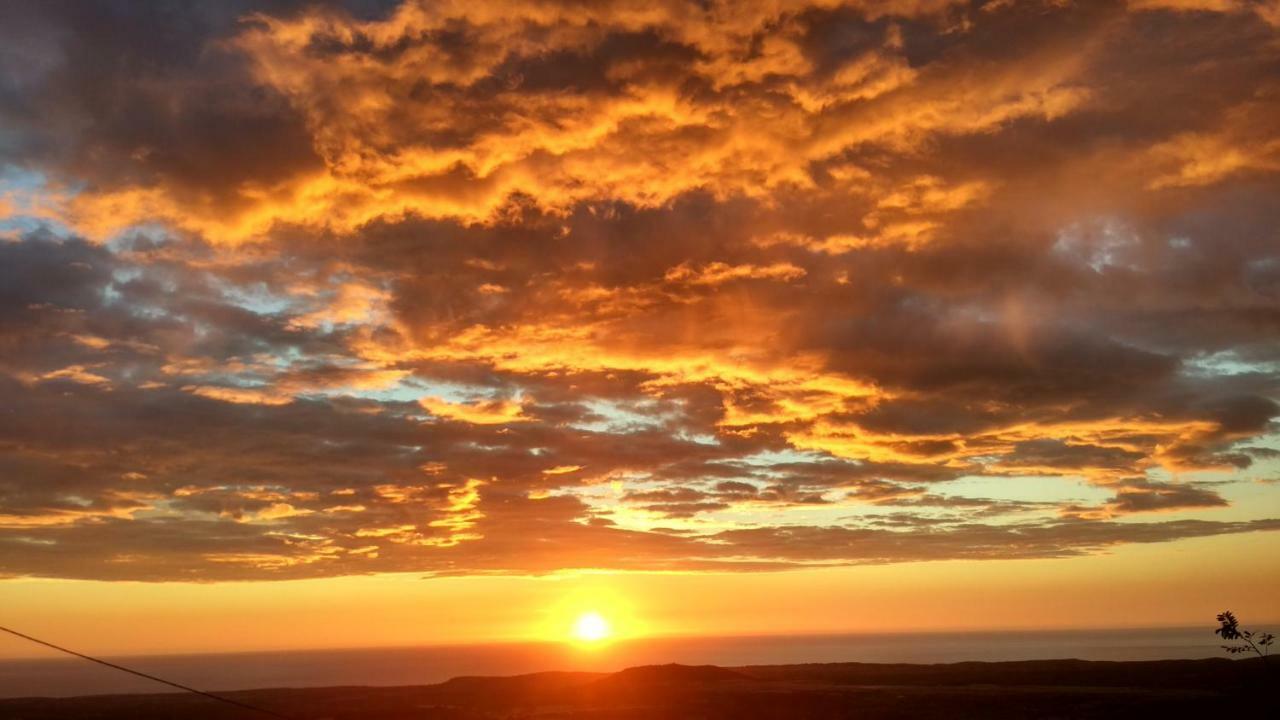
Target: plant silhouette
{"points": [[1248, 640]]}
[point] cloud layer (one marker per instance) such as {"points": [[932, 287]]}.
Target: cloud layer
{"points": [[518, 287]]}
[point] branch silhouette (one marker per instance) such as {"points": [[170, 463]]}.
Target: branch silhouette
{"points": [[1247, 640]]}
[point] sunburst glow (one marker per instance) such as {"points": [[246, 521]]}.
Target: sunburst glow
{"points": [[591, 627]]}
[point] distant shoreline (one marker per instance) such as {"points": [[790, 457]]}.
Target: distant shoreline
{"points": [[425, 665]]}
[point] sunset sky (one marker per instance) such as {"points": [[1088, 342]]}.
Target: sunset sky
{"points": [[368, 323]]}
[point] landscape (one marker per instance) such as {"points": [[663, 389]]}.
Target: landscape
{"points": [[1028, 689], [376, 359]]}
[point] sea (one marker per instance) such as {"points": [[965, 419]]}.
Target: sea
{"points": [[59, 677]]}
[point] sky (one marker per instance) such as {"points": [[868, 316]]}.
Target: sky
{"points": [[367, 323]]}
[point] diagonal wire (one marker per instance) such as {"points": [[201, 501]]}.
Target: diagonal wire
{"points": [[211, 696]]}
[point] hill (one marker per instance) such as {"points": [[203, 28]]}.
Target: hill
{"points": [[1039, 689]]}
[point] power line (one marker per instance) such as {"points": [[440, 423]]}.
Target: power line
{"points": [[211, 696]]}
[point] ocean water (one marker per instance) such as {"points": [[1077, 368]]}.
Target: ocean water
{"points": [[414, 666]]}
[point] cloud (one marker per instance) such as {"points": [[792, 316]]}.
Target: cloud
{"points": [[1144, 497], [1238, 143], [308, 290], [572, 104], [1267, 10], [719, 273], [480, 412]]}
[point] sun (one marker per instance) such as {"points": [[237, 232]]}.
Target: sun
{"points": [[591, 627]]}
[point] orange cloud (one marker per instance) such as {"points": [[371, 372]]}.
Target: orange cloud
{"points": [[1242, 144], [717, 273], [492, 412], [387, 153], [250, 396], [1268, 10], [351, 303]]}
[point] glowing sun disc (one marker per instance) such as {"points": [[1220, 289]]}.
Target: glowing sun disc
{"points": [[591, 627]]}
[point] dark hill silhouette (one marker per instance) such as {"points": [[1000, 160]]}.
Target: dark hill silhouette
{"points": [[992, 691], [1207, 673], [542, 681], [672, 675]]}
